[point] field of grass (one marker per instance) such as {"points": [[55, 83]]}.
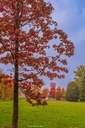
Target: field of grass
{"points": [[58, 114]]}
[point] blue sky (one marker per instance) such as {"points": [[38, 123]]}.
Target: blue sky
{"points": [[70, 16]]}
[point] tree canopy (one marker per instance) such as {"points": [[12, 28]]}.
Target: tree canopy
{"points": [[80, 81], [72, 92], [26, 49]]}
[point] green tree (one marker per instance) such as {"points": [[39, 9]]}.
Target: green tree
{"points": [[72, 92], [63, 93], [80, 81]]}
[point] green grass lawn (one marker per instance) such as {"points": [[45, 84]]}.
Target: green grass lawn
{"points": [[58, 114]]}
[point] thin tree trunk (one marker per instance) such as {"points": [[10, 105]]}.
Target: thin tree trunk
{"points": [[16, 73], [15, 104], [15, 98]]}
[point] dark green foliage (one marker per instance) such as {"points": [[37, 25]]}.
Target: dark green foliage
{"points": [[80, 81], [82, 93], [72, 92]]}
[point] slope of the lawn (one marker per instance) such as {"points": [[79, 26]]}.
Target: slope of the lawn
{"points": [[58, 114]]}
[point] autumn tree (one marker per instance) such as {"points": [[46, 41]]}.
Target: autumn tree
{"points": [[45, 92], [52, 92], [80, 81], [6, 88], [26, 28], [58, 93], [72, 92]]}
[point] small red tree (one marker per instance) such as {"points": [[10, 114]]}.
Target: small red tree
{"points": [[45, 92], [58, 93], [26, 49], [52, 92]]}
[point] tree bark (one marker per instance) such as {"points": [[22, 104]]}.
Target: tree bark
{"points": [[15, 107], [15, 98], [16, 73], [15, 101]]}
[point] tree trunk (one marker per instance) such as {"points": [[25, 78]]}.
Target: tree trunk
{"points": [[15, 100], [16, 73]]}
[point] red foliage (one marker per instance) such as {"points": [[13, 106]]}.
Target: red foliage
{"points": [[45, 92], [56, 93], [59, 95], [27, 49], [52, 92]]}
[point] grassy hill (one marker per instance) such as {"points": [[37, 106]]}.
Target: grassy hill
{"points": [[58, 114]]}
